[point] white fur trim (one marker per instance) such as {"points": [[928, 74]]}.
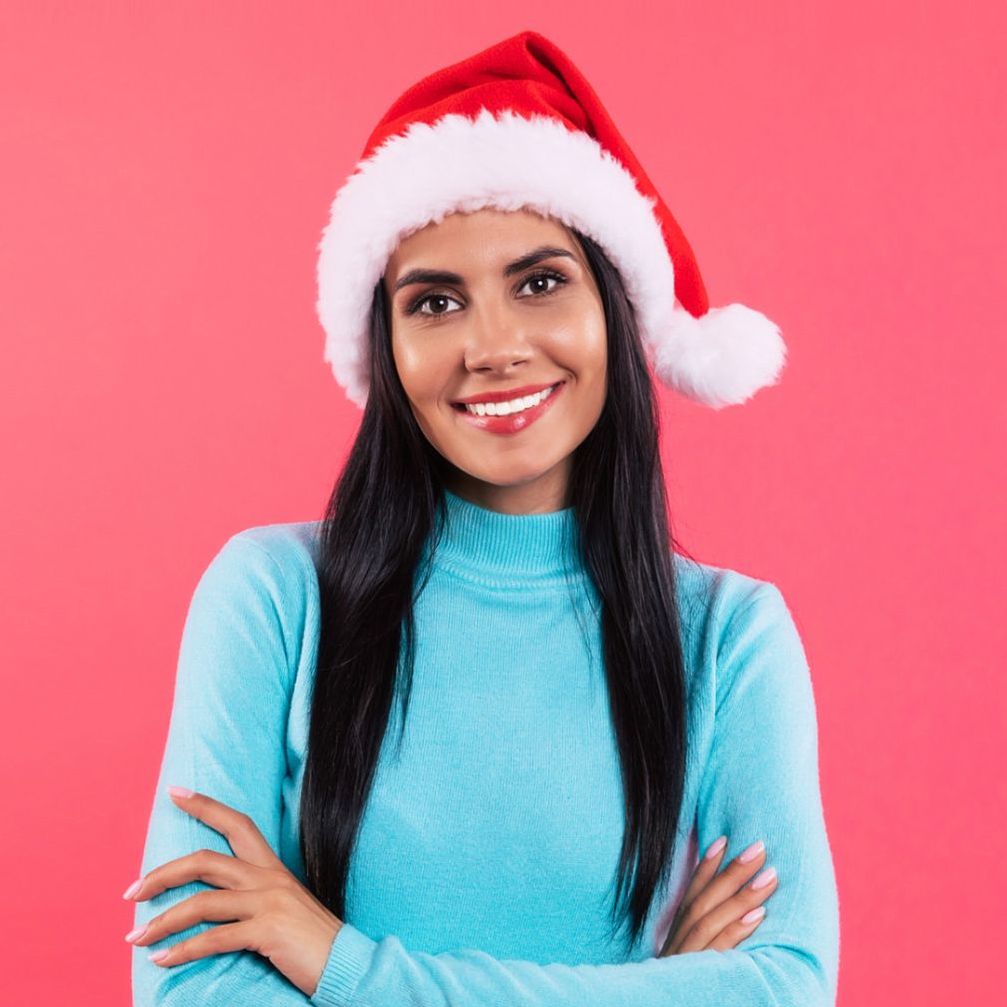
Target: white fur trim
{"points": [[509, 162]]}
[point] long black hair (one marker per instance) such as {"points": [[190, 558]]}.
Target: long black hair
{"points": [[389, 498]]}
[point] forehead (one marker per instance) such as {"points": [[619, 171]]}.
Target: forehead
{"points": [[482, 238]]}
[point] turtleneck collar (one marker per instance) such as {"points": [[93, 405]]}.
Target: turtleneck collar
{"points": [[509, 550]]}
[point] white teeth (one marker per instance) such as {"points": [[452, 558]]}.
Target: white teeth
{"points": [[506, 408]]}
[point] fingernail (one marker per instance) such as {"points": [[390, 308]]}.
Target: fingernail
{"points": [[133, 889], [752, 852], [754, 914], [158, 955], [180, 792], [135, 935], [764, 877], [715, 847]]}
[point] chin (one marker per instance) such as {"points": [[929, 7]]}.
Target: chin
{"points": [[508, 476]]}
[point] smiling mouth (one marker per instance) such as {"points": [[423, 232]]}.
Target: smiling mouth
{"points": [[506, 424], [463, 408]]}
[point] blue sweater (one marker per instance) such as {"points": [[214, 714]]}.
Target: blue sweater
{"points": [[484, 868]]}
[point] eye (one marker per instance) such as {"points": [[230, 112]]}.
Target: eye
{"points": [[420, 302], [545, 274], [416, 307]]}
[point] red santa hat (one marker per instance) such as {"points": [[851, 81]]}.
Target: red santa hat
{"points": [[517, 126]]}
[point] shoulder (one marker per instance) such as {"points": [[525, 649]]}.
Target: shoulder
{"points": [[291, 546], [750, 652], [717, 600], [259, 587], [270, 568]]}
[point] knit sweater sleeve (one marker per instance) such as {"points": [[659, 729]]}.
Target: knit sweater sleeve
{"points": [[226, 738], [761, 781]]}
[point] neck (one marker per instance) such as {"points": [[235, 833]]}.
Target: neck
{"points": [[493, 548]]}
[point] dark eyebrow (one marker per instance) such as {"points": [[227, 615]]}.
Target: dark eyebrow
{"points": [[517, 266]]}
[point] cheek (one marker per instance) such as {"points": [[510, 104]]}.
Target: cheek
{"points": [[585, 347], [597, 350], [418, 367], [593, 368]]}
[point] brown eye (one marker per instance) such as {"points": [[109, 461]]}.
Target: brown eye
{"points": [[415, 307], [543, 277]]}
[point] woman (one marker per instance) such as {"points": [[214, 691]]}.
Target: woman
{"points": [[483, 710]]}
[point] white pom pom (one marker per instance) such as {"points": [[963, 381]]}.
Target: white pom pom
{"points": [[721, 358]]}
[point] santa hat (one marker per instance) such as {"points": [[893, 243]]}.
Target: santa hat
{"points": [[517, 126]]}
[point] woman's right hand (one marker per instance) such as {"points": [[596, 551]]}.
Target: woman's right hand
{"points": [[709, 915]]}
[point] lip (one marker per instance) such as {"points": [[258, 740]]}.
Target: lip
{"points": [[504, 396], [516, 422]]}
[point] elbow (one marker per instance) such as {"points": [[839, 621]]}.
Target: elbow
{"points": [[234, 977], [794, 976], [154, 986]]}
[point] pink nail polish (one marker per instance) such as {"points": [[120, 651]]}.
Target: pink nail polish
{"points": [[752, 852], [181, 791], [133, 889], [159, 955], [135, 935], [715, 847], [764, 877], [753, 914]]}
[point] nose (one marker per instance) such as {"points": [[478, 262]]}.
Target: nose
{"points": [[496, 342]]}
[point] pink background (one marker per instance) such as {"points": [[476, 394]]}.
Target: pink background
{"points": [[166, 171]]}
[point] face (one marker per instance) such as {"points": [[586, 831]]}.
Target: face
{"points": [[494, 306]]}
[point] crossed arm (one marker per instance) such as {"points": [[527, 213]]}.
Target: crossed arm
{"points": [[761, 781]]}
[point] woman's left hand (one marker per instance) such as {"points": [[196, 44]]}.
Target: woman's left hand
{"points": [[275, 914]]}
